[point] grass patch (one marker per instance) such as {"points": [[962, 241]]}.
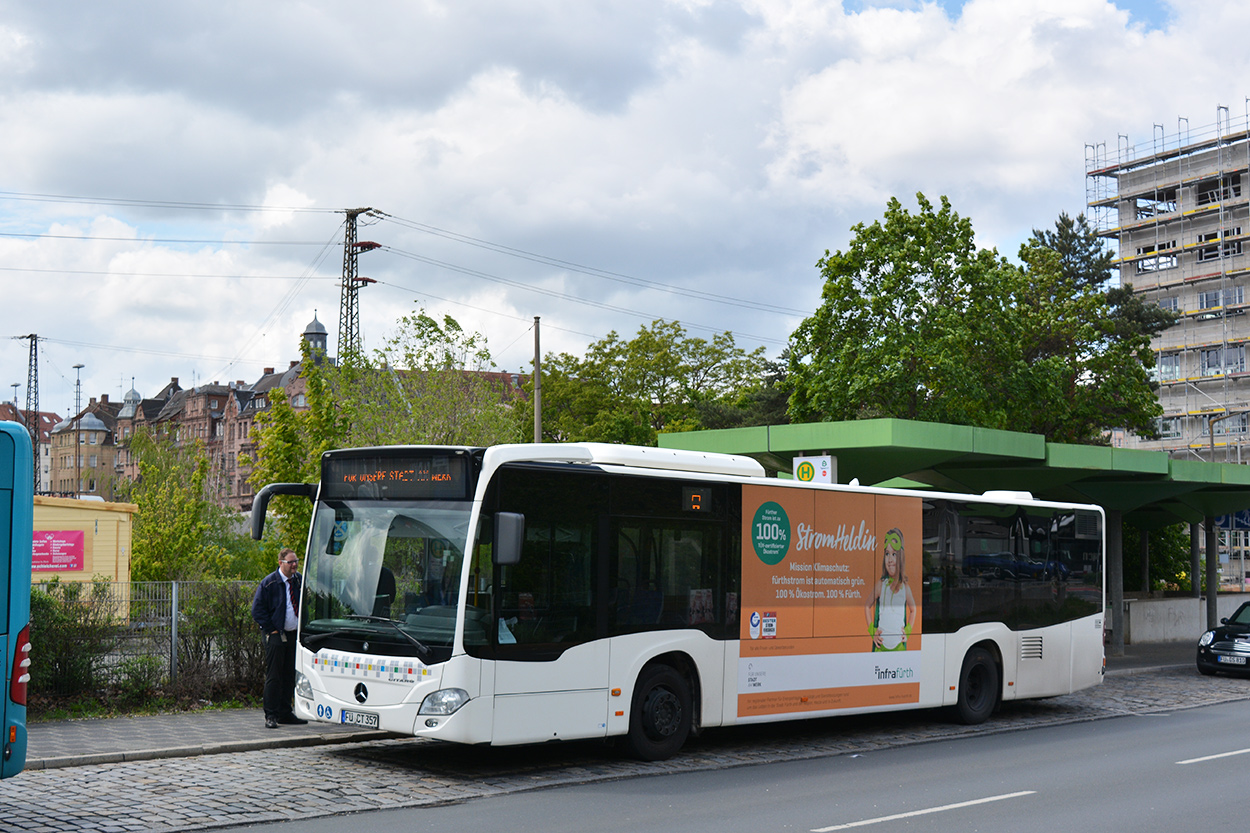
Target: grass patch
{"points": [[42, 710]]}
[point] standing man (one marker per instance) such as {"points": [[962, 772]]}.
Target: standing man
{"points": [[276, 611]]}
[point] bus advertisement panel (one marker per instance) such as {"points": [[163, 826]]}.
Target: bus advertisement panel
{"points": [[827, 595]]}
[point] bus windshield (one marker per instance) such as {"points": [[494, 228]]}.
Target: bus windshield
{"points": [[386, 573]]}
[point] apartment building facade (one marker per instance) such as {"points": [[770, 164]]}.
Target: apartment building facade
{"points": [[45, 421], [220, 417], [84, 453], [1178, 211]]}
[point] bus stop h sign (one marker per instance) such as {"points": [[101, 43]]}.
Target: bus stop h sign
{"points": [[823, 469]]}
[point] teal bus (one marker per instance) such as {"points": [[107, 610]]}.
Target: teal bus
{"points": [[16, 532]]}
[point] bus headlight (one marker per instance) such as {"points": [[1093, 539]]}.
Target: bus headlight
{"points": [[444, 701], [1206, 638], [303, 688]]}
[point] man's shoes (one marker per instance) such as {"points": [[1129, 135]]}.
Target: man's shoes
{"points": [[292, 720], [271, 723]]}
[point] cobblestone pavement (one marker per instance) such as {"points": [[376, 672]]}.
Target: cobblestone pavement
{"points": [[63, 743], [208, 791]]}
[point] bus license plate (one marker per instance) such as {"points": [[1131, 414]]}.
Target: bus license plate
{"points": [[1231, 660], [369, 721]]}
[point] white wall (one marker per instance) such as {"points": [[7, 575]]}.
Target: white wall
{"points": [[1172, 620]]}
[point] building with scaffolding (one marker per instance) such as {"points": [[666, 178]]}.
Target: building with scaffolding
{"points": [[1178, 210]]}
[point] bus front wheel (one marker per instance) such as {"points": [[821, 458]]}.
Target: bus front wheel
{"points": [[978, 687], [661, 714]]}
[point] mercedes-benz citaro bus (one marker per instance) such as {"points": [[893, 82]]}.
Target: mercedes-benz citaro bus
{"points": [[17, 506], [530, 593]]}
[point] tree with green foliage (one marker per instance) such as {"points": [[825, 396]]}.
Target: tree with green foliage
{"points": [[1086, 371], [286, 451], [764, 403], [179, 532], [429, 385], [903, 308], [582, 402], [1168, 556], [662, 380], [918, 323], [1087, 261]]}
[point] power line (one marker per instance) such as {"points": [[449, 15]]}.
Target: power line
{"points": [[563, 296], [127, 349], [197, 276], [302, 281], [285, 302], [591, 270], [172, 204], [381, 215], [426, 228], [42, 236], [528, 321]]}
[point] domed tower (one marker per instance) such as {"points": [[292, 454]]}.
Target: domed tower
{"points": [[316, 336], [130, 403]]}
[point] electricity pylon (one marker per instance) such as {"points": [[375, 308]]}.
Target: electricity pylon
{"points": [[349, 345]]}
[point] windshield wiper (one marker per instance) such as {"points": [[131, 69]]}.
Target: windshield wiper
{"points": [[418, 644], [313, 641]]}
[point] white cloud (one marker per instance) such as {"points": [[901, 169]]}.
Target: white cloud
{"points": [[716, 148]]}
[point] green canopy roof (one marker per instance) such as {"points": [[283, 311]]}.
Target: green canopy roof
{"points": [[1149, 487]]}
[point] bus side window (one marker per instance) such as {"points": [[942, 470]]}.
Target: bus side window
{"points": [[668, 574], [546, 601]]}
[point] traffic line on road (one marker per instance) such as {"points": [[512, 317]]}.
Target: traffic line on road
{"points": [[915, 813], [1213, 757]]}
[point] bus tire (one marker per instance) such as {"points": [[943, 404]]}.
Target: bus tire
{"points": [[978, 687], [661, 714]]}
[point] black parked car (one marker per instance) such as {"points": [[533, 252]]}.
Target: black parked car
{"points": [[1227, 648]]}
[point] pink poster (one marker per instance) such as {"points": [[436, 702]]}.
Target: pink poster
{"points": [[59, 550]]}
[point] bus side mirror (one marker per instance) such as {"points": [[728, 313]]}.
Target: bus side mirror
{"points": [[260, 503], [509, 536]]}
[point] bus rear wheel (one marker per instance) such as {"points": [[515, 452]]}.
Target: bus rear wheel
{"points": [[978, 687], [661, 714]]}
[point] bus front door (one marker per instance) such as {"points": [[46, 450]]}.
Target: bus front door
{"points": [[558, 699]]}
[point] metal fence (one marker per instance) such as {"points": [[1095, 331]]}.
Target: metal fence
{"points": [[125, 641]]}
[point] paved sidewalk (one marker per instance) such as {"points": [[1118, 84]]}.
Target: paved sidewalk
{"points": [[1154, 655], [66, 743], [62, 743]]}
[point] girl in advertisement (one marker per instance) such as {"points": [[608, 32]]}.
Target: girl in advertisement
{"points": [[892, 609]]}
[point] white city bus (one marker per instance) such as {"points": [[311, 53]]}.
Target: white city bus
{"points": [[528, 593]]}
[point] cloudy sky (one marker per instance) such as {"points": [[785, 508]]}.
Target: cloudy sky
{"points": [[174, 174]]}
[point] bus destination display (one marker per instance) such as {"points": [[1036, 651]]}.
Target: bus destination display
{"points": [[372, 478]]}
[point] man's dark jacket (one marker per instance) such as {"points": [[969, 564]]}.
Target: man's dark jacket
{"points": [[269, 603]]}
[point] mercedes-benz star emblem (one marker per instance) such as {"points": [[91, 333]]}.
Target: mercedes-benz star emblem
{"points": [[362, 693], [365, 647]]}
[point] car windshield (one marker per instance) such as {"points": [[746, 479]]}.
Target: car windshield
{"points": [[386, 573], [1242, 616]]}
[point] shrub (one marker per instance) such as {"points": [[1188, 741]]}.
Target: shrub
{"points": [[220, 653], [73, 629]]}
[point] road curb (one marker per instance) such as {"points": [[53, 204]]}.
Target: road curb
{"points": [[1147, 669], [62, 761]]}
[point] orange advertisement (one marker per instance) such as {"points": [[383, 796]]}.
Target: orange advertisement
{"points": [[844, 545], [773, 574], [829, 615]]}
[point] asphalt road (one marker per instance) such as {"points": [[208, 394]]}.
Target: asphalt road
{"points": [[313, 788], [1140, 773]]}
